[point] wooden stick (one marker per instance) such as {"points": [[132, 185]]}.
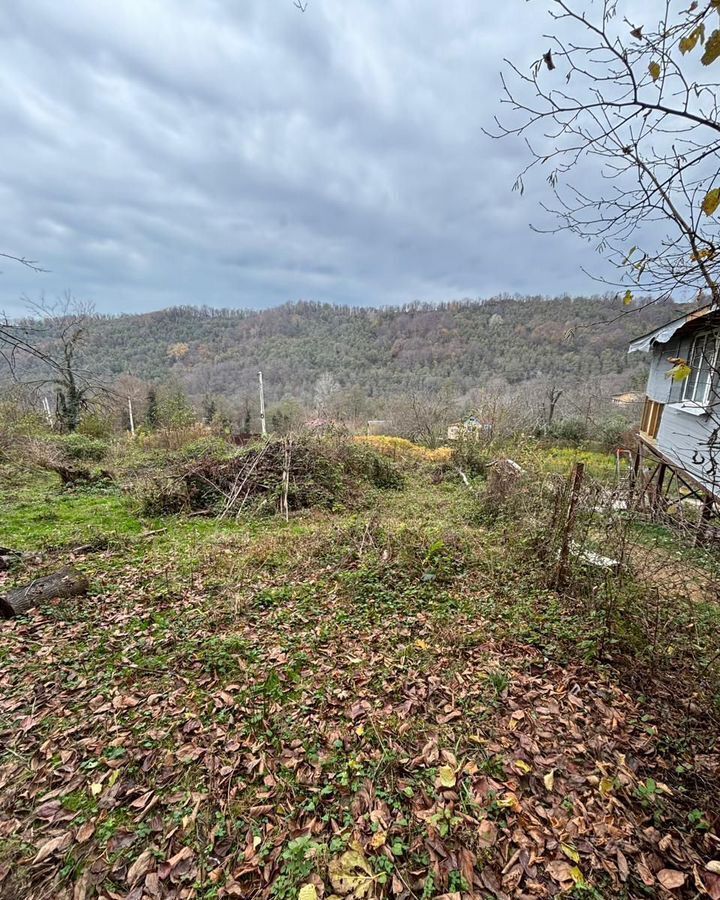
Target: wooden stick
{"points": [[575, 483]]}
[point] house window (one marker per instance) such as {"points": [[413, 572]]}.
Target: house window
{"points": [[703, 363]]}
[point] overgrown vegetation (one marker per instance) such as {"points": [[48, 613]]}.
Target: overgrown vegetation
{"points": [[386, 694]]}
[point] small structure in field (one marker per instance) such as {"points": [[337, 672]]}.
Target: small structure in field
{"points": [[472, 427], [629, 399]]}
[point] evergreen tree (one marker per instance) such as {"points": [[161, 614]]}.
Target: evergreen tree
{"points": [[152, 416]]}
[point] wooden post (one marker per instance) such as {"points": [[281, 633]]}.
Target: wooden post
{"points": [[576, 479], [705, 514], [658, 501], [635, 476]]}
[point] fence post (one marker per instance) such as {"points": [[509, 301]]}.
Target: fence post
{"points": [[576, 479]]}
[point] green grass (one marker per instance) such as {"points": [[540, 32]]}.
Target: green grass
{"points": [[255, 640], [560, 460], [37, 515]]}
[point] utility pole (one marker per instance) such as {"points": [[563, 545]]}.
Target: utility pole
{"points": [[46, 407], [263, 429], [132, 420]]}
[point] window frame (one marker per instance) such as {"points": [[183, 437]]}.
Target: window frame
{"points": [[694, 402]]}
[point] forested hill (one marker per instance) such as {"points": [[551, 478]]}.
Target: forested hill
{"points": [[458, 346]]}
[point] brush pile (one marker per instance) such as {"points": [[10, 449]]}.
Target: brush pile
{"points": [[278, 475]]}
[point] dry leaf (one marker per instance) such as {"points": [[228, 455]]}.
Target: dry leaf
{"points": [[351, 875], [570, 852], [549, 780], [447, 777], [85, 832], [52, 846], [671, 879], [711, 201], [308, 892], [712, 49], [140, 867], [560, 871]]}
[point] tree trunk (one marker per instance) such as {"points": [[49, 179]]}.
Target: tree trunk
{"points": [[68, 582]]}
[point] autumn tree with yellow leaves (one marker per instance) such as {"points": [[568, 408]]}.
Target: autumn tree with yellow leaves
{"points": [[622, 115]]}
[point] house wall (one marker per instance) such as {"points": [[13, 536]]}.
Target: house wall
{"points": [[659, 387], [683, 437]]}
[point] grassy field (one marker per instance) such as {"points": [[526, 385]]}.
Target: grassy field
{"points": [[367, 702]]}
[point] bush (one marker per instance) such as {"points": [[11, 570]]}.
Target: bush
{"points": [[175, 437], [377, 469], [95, 426], [81, 448], [574, 431], [472, 457], [211, 445], [162, 496], [402, 450], [614, 432]]}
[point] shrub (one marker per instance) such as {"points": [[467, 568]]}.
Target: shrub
{"points": [[94, 425], [174, 437], [162, 496], [81, 448], [574, 431], [403, 450], [471, 456], [614, 433], [376, 468]]}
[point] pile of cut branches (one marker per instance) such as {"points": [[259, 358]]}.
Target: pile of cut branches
{"points": [[275, 475]]}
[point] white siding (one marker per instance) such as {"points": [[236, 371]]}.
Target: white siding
{"points": [[684, 438]]}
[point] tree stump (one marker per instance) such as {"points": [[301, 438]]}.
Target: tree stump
{"points": [[68, 582]]}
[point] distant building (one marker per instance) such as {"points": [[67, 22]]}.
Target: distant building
{"points": [[628, 399], [471, 427]]}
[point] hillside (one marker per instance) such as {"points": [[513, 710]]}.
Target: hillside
{"points": [[382, 352]]}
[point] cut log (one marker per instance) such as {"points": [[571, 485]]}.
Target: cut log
{"points": [[8, 558], [68, 582]]}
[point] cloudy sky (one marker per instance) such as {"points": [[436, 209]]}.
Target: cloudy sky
{"points": [[244, 153]]}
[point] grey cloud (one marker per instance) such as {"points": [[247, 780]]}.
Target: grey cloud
{"points": [[247, 154]]}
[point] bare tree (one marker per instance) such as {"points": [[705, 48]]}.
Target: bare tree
{"points": [[423, 415], [327, 396], [626, 119], [67, 320], [552, 396], [17, 340]]}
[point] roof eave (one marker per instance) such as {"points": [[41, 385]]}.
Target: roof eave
{"points": [[663, 334]]}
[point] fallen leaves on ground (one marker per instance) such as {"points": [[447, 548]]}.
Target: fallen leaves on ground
{"points": [[289, 739]]}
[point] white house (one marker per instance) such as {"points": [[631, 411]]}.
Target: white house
{"points": [[680, 424]]}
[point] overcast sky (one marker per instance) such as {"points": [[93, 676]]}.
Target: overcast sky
{"points": [[244, 154]]}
